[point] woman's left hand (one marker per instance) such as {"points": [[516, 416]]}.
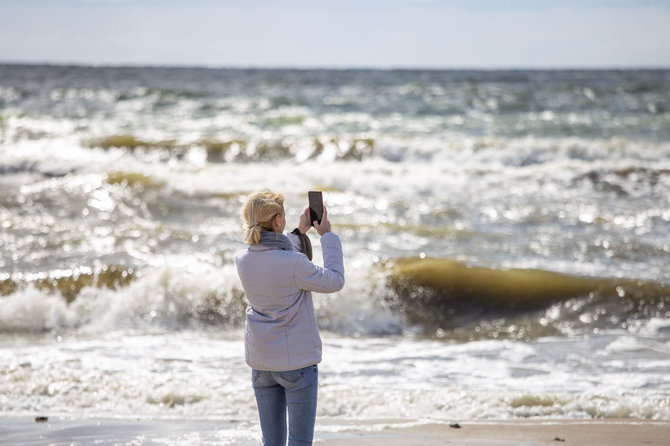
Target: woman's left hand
{"points": [[303, 224]]}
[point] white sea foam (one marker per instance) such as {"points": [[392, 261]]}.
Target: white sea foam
{"points": [[32, 310], [203, 376]]}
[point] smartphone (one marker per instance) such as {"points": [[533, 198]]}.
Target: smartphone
{"points": [[315, 206]]}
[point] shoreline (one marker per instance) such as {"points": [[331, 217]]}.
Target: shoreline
{"points": [[335, 432]]}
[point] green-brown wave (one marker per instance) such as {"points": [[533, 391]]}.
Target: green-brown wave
{"points": [[70, 282], [131, 179], [353, 148], [443, 293]]}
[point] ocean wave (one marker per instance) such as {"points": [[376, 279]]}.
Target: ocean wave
{"points": [[491, 152], [626, 181], [69, 282], [130, 142], [132, 179], [453, 299], [245, 150], [435, 297], [120, 298]]}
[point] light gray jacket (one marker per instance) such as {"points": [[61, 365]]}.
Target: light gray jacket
{"points": [[281, 332]]}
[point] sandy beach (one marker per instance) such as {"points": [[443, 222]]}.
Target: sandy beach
{"points": [[26, 431], [527, 433]]}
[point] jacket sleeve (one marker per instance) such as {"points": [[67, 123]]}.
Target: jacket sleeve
{"points": [[326, 279]]}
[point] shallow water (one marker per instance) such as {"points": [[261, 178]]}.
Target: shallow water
{"points": [[197, 375]]}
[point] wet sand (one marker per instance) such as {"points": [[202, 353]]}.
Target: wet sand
{"points": [[526, 433], [56, 431]]}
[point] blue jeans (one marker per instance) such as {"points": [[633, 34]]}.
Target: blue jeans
{"points": [[295, 389]]}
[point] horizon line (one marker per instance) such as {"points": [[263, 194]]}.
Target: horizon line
{"points": [[299, 67]]}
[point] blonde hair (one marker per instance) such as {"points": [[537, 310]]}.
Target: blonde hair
{"points": [[259, 211]]}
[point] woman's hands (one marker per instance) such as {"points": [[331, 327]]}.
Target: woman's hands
{"points": [[324, 226], [304, 224]]}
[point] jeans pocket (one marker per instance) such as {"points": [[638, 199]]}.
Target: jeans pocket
{"points": [[292, 376], [255, 375]]}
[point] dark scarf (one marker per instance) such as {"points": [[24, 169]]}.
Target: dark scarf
{"points": [[275, 240]]}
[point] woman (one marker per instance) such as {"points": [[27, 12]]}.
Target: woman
{"points": [[282, 341]]}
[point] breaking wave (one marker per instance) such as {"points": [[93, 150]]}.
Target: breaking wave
{"points": [[162, 298], [435, 297], [247, 150], [454, 299]]}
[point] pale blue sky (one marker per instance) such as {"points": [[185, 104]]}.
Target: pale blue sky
{"points": [[342, 33]]}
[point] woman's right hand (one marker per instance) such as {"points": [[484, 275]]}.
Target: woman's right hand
{"points": [[324, 226]]}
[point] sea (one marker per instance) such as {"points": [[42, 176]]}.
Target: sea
{"points": [[506, 240]]}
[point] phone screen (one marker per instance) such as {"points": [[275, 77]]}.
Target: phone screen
{"points": [[315, 206]]}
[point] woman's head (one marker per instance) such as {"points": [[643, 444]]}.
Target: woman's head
{"points": [[260, 212]]}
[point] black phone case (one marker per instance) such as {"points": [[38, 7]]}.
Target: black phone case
{"points": [[315, 207]]}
